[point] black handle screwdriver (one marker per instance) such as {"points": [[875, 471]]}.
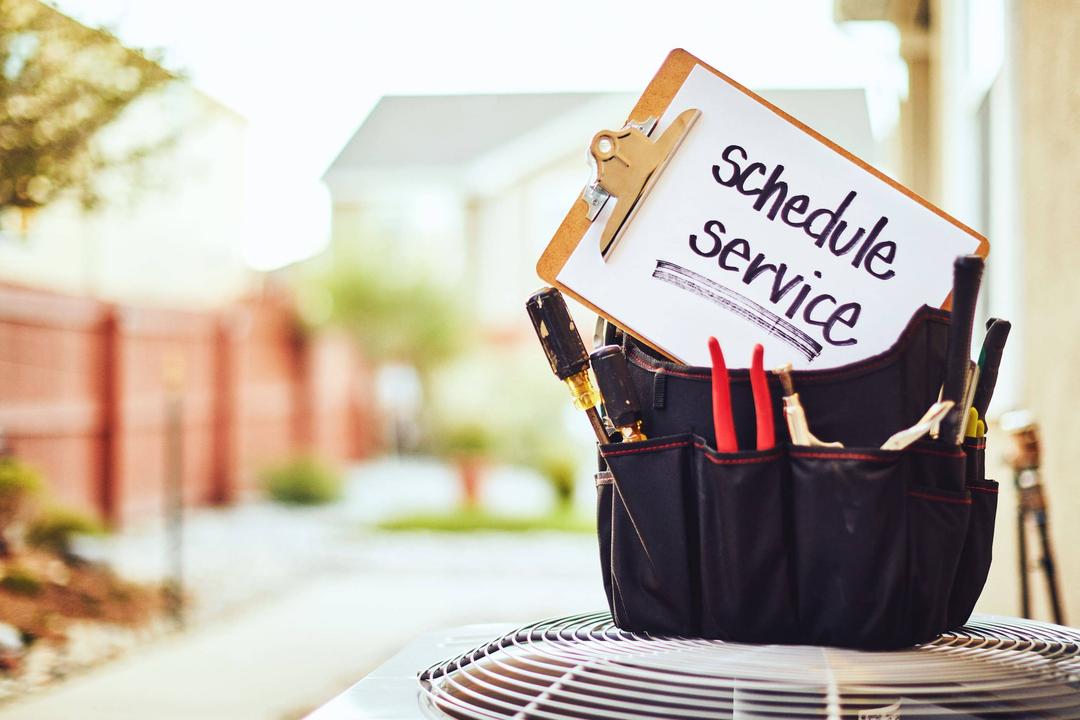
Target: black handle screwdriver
{"points": [[997, 332], [565, 352], [617, 389], [967, 274]]}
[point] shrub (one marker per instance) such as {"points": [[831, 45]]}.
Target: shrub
{"points": [[20, 485], [56, 528], [465, 439], [302, 481], [20, 581], [17, 479], [397, 317], [560, 470]]}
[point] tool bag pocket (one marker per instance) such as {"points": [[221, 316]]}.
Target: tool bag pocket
{"points": [[939, 516], [877, 542], [742, 521], [977, 552], [850, 546], [648, 545], [846, 547]]}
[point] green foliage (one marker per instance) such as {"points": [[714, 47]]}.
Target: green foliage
{"points": [[393, 315], [60, 83], [510, 393], [511, 401], [56, 528], [468, 438], [560, 469], [20, 486], [475, 520], [21, 581], [302, 481], [18, 480]]}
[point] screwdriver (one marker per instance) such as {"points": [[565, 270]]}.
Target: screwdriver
{"points": [[566, 353], [967, 274], [617, 388], [997, 332]]}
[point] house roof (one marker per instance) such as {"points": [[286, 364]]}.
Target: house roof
{"points": [[449, 130]]}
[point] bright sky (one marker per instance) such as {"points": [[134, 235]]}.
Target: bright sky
{"points": [[312, 70]]}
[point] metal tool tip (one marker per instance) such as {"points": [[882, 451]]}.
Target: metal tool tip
{"points": [[784, 372]]}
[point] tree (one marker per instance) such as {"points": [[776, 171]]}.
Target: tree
{"points": [[394, 316], [60, 83]]}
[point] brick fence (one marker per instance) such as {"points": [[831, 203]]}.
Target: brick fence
{"points": [[85, 386]]}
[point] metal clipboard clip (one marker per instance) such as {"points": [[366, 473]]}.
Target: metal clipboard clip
{"points": [[626, 165]]}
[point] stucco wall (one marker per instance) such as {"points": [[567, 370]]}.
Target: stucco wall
{"points": [[1048, 93]]}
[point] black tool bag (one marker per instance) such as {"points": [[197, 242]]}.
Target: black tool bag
{"points": [[856, 547]]}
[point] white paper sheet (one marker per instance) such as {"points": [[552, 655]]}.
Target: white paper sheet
{"points": [[657, 284]]}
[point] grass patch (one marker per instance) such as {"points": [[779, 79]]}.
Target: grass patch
{"points": [[302, 481], [471, 520]]}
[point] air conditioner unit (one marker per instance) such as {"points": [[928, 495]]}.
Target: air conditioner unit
{"points": [[584, 667]]}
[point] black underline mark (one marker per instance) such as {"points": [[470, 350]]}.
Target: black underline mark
{"points": [[738, 304]]}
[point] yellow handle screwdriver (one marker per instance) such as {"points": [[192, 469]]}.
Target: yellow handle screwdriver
{"points": [[566, 353]]}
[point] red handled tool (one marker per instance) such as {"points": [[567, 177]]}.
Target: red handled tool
{"points": [[723, 423], [723, 420], [766, 434]]}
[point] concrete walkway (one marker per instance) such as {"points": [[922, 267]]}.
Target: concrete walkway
{"points": [[333, 603]]}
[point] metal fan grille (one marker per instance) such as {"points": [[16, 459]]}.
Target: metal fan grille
{"points": [[584, 667]]}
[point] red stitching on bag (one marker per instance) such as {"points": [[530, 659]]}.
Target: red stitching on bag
{"points": [[679, 373], [686, 443], [938, 453], [939, 498], [740, 461], [612, 453], [977, 488], [735, 461], [841, 456]]}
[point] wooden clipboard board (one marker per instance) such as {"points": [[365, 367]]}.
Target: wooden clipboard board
{"points": [[654, 102]]}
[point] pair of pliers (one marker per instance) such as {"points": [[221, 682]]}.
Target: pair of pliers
{"points": [[723, 420]]}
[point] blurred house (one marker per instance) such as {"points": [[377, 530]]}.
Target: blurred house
{"points": [[474, 186], [110, 317]]}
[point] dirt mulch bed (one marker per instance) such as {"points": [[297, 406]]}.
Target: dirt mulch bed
{"points": [[41, 595], [72, 616]]}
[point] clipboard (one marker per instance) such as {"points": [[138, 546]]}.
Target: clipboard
{"points": [[654, 102]]}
